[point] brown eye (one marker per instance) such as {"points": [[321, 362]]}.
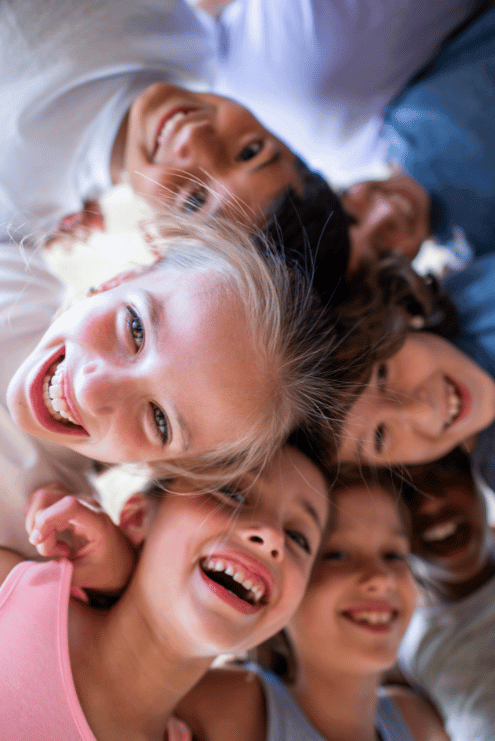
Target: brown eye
{"points": [[379, 438], [381, 374], [250, 151]]}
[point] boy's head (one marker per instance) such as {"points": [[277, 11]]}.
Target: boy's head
{"points": [[206, 154], [451, 534]]}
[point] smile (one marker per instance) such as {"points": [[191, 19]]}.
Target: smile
{"points": [[454, 403], [446, 538], [380, 619], [235, 578], [167, 124], [48, 398]]}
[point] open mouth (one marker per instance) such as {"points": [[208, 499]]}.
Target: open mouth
{"points": [[235, 579], [379, 620], [454, 403], [446, 537], [167, 124], [53, 396]]}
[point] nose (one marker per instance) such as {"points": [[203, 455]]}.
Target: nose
{"points": [[269, 540], [416, 410], [197, 145], [101, 388], [377, 577]]}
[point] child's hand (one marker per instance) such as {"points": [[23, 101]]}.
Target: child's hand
{"points": [[102, 556]]}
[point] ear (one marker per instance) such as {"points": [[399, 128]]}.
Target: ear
{"points": [[133, 518], [118, 279]]}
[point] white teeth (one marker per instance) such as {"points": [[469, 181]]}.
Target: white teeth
{"points": [[238, 575], [373, 618], [52, 395], [454, 403], [169, 125], [439, 532]]}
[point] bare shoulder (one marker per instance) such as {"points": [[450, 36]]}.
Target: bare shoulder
{"points": [[8, 559], [421, 716], [227, 703]]}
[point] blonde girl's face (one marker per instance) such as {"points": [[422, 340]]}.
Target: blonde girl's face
{"points": [[421, 403], [223, 571], [159, 366], [362, 593]]}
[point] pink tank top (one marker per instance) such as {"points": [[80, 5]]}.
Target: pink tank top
{"points": [[38, 700]]}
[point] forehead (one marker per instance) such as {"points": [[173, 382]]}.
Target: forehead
{"points": [[367, 508]]}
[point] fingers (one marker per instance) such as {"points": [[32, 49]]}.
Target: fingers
{"points": [[43, 498]]}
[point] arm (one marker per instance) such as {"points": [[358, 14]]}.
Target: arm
{"points": [[60, 525]]}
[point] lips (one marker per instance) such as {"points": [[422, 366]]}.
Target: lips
{"points": [[238, 579], [445, 536], [376, 617], [38, 389], [458, 400], [168, 124]]}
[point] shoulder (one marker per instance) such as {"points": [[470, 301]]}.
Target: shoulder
{"points": [[227, 703], [422, 718], [8, 559]]}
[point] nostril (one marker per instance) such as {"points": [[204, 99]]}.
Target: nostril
{"points": [[255, 539], [274, 553], [90, 368]]}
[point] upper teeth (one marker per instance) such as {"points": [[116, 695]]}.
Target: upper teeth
{"points": [[52, 395], [169, 125], [454, 402], [237, 574], [439, 532], [373, 618]]}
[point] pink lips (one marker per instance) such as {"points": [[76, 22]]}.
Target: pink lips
{"points": [[167, 117], [253, 568], [466, 399], [38, 408], [353, 613]]}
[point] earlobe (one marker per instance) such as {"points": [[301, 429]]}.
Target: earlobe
{"points": [[132, 520]]}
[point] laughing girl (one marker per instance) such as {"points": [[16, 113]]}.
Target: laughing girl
{"points": [[217, 572]]}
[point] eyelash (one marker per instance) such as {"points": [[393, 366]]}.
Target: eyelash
{"points": [[231, 493], [300, 539], [137, 333], [257, 146], [379, 435], [195, 200]]}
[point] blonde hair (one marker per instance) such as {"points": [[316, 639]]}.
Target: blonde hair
{"points": [[288, 327]]}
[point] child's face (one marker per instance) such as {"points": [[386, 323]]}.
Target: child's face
{"points": [[160, 366], [420, 404], [204, 153], [388, 215], [225, 571], [451, 534], [362, 593]]}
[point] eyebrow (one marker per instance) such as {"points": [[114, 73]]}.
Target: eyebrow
{"points": [[270, 161], [156, 311]]}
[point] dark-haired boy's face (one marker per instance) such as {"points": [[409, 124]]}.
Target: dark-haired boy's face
{"points": [[387, 215], [450, 529], [205, 153]]}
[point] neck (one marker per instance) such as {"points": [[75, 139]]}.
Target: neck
{"points": [[128, 678], [118, 151], [341, 706]]}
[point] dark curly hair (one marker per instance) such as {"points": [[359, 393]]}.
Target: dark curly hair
{"points": [[386, 300]]}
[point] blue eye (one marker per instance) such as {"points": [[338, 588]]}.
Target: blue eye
{"points": [[300, 539], [136, 327], [233, 495], [195, 200], [250, 151], [161, 423]]}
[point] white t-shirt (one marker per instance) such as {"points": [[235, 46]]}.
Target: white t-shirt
{"points": [[320, 72], [69, 71], [448, 651]]}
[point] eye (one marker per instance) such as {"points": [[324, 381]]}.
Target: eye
{"points": [[300, 539], [233, 494], [379, 439], [381, 374], [195, 200], [395, 556], [333, 556], [161, 423], [250, 151], [135, 327]]}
